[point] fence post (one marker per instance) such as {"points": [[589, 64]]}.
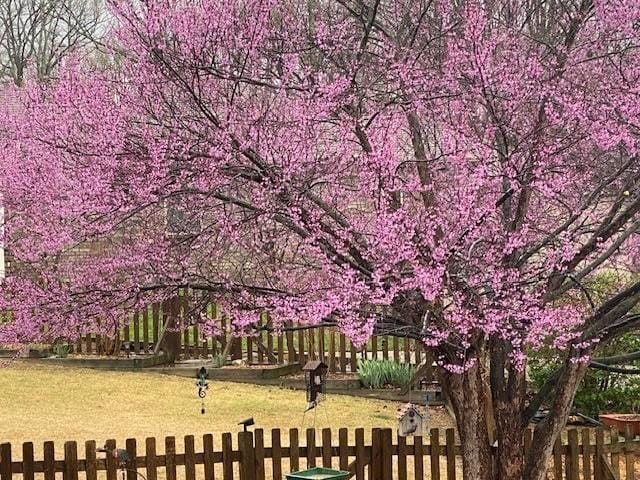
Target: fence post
{"points": [[5, 461], [247, 456]]}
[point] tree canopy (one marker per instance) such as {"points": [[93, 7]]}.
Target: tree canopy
{"points": [[453, 171]]}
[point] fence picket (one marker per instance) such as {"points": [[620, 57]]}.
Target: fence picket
{"points": [[276, 454], [396, 350], [28, 460], [259, 454], [375, 467], [557, 459], [343, 353], [209, 466], [374, 347], [291, 351], [136, 333], [155, 321], [615, 456], [170, 457], [145, 330], [599, 453], [574, 469], [353, 358], [70, 461], [151, 462], [418, 458], [110, 445], [301, 353], [294, 450], [332, 351], [586, 454], [189, 458], [326, 447], [629, 457], [343, 448], [451, 453], [132, 471], [434, 460], [360, 454], [91, 468], [387, 453], [402, 458], [227, 456], [311, 447], [5, 461]]}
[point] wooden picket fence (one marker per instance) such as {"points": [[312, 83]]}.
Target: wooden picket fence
{"points": [[379, 456], [145, 327]]}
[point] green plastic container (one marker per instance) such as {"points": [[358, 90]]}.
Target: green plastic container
{"points": [[319, 473]]}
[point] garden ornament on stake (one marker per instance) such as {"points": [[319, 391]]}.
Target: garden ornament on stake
{"points": [[247, 423], [122, 457], [202, 385]]}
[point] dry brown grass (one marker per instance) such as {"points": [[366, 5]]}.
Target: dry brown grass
{"points": [[39, 403]]}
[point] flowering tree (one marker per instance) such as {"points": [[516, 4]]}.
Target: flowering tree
{"points": [[452, 171]]}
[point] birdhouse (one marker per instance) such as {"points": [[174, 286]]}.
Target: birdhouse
{"points": [[315, 373], [411, 421]]}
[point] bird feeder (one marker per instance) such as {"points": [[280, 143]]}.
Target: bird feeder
{"points": [[315, 376], [410, 420]]}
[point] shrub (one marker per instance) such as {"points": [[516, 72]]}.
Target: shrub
{"points": [[219, 361], [600, 391], [379, 373]]}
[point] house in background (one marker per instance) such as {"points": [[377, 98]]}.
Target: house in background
{"points": [[8, 102]]}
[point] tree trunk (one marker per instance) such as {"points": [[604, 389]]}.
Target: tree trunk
{"points": [[548, 430], [506, 459], [466, 393]]}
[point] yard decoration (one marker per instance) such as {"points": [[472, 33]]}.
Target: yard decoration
{"points": [[411, 421], [247, 423], [315, 373], [122, 457], [202, 385], [458, 173]]}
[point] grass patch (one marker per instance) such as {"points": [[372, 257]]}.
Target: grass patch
{"points": [[39, 403]]}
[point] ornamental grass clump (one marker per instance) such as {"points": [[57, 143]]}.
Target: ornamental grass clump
{"points": [[381, 373]]}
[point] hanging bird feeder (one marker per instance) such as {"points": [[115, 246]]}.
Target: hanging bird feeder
{"points": [[315, 376], [202, 385], [411, 421]]}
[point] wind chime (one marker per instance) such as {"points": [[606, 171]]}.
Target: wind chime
{"points": [[202, 385]]}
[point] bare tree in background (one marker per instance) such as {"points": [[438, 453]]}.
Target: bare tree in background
{"points": [[37, 34]]}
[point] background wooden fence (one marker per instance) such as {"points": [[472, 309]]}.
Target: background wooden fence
{"points": [[145, 328], [380, 455]]}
